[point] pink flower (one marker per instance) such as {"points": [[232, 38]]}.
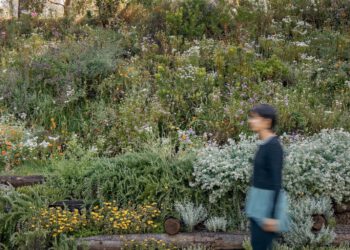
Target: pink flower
{"points": [[34, 14]]}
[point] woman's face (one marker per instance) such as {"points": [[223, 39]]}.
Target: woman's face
{"points": [[258, 123]]}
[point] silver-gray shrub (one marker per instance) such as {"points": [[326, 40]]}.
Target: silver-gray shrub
{"points": [[301, 223], [191, 214], [215, 224], [219, 169], [314, 166], [319, 166]]}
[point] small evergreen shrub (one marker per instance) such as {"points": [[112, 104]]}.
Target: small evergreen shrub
{"points": [[215, 224], [191, 214], [300, 231]]}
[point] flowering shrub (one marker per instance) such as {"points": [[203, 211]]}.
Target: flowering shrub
{"points": [[315, 166], [18, 144], [111, 219], [107, 218], [195, 18], [219, 169], [319, 166], [58, 221], [172, 85]]}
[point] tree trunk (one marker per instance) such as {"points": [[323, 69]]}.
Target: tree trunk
{"points": [[67, 8], [11, 8], [19, 8]]}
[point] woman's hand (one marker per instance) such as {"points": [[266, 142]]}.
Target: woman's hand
{"points": [[270, 225]]}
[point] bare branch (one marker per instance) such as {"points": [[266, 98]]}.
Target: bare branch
{"points": [[56, 3]]}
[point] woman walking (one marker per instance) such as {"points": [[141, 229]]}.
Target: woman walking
{"points": [[266, 201]]}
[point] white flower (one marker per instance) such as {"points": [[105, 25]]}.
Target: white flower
{"points": [[93, 149], [70, 92], [348, 83], [300, 44], [53, 138], [287, 19], [23, 115], [276, 37], [44, 144], [192, 51], [31, 143], [307, 57]]}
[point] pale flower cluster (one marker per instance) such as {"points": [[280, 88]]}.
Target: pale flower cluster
{"points": [[217, 169], [319, 166]]}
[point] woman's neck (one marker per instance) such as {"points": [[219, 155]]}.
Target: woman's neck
{"points": [[264, 134]]}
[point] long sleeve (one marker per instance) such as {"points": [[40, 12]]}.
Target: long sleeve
{"points": [[275, 165]]}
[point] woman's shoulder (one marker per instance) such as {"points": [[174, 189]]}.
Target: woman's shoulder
{"points": [[271, 140], [274, 143]]}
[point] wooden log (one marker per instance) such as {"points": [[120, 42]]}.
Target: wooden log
{"points": [[214, 240], [172, 226], [69, 204], [319, 221], [342, 208], [342, 234], [343, 218], [20, 181]]}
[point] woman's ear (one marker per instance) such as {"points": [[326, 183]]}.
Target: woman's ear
{"points": [[268, 123]]}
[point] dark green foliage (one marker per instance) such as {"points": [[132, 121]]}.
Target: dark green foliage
{"points": [[15, 209], [193, 19], [139, 178], [107, 10]]}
